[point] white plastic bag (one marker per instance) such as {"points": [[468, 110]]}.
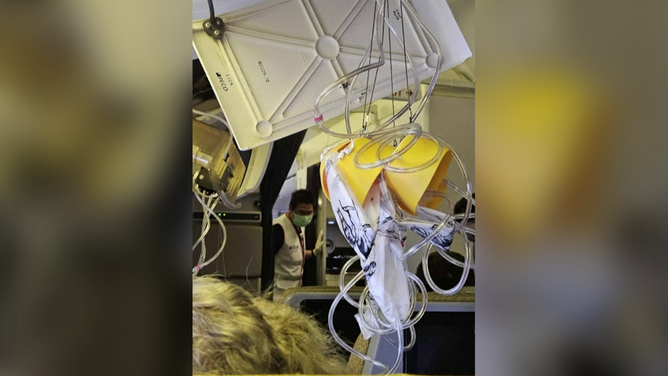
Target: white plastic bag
{"points": [[372, 231]]}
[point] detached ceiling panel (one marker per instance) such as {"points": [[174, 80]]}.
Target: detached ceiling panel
{"points": [[463, 75], [277, 56]]}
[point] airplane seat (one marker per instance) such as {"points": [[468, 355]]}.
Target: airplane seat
{"points": [[355, 364], [295, 296], [317, 300], [450, 316]]}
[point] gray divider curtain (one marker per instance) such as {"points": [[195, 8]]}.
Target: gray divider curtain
{"points": [[282, 156]]}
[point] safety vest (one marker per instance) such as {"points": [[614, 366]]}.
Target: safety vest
{"points": [[289, 260]]}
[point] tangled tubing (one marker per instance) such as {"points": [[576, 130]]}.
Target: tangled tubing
{"points": [[374, 212]]}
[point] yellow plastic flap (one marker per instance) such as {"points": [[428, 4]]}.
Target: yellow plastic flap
{"points": [[323, 175], [360, 180], [409, 188]]}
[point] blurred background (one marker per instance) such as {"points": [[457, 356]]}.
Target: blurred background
{"points": [[570, 122], [94, 187], [95, 201]]}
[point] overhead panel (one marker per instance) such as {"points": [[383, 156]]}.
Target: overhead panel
{"points": [[276, 57]]}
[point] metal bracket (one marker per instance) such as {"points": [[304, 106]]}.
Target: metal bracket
{"points": [[215, 28]]}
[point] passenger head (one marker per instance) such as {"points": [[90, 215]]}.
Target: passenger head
{"points": [[445, 274], [236, 333], [460, 206]]}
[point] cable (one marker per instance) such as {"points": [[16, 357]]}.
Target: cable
{"points": [[220, 119], [330, 322], [318, 118], [367, 310], [206, 226], [403, 37], [317, 114], [247, 280], [397, 153], [342, 276], [389, 42], [413, 338], [212, 13], [465, 271], [447, 218], [364, 118], [375, 77], [448, 201], [363, 131], [436, 47], [205, 220], [370, 316], [385, 328], [209, 211], [414, 130], [381, 137], [337, 338], [378, 135], [202, 92]]}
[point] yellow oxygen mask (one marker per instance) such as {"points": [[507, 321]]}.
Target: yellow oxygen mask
{"points": [[421, 167]]}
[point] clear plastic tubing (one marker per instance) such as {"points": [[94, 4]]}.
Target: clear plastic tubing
{"points": [[443, 223], [389, 134], [465, 271], [206, 225], [342, 275], [432, 83], [344, 292], [330, 322], [405, 324], [222, 246], [453, 260], [436, 47], [386, 140], [317, 114]]}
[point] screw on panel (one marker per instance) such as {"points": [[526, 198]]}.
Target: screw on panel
{"points": [[214, 29]]}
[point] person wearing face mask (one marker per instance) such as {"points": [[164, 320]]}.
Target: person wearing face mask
{"points": [[289, 246]]}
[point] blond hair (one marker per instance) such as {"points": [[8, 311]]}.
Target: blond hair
{"points": [[237, 333]]}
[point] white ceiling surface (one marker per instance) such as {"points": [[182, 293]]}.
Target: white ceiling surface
{"points": [[463, 10]]}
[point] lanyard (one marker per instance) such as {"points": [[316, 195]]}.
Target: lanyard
{"points": [[300, 235]]}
